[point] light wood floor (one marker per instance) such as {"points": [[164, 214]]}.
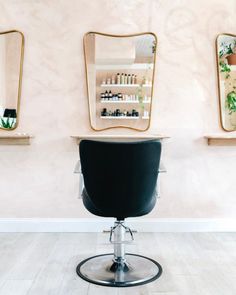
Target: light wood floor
{"points": [[44, 263]]}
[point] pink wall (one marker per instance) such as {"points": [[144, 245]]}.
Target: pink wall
{"points": [[38, 180]]}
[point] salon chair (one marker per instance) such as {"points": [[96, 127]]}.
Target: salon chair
{"points": [[119, 181]]}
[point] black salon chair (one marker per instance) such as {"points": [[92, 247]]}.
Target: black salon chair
{"points": [[119, 181]]}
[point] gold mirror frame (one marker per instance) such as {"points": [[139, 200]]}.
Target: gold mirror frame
{"points": [[220, 98], [153, 78], [20, 76]]}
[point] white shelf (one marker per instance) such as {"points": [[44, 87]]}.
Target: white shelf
{"points": [[119, 118], [123, 101], [135, 66], [119, 85]]}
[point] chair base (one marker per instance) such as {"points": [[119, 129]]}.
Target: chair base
{"points": [[101, 270]]}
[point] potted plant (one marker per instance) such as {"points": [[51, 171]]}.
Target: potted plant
{"points": [[231, 106], [228, 51]]}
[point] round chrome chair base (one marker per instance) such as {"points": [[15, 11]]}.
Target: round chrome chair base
{"points": [[97, 270]]}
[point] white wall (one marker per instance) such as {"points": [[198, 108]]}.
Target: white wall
{"points": [[37, 180]]}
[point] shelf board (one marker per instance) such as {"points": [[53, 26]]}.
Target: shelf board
{"points": [[123, 101], [119, 137], [135, 66], [221, 140], [15, 139], [119, 118], [120, 85], [145, 118]]}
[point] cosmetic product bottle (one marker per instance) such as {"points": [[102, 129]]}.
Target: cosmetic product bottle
{"points": [[129, 79], [118, 78], [132, 79], [135, 79], [102, 96], [103, 81], [108, 81], [125, 79], [113, 80], [110, 95], [122, 79], [106, 95]]}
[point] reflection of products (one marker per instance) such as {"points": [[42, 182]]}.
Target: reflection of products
{"points": [[135, 79], [118, 113], [103, 81], [113, 80], [125, 79], [108, 81], [129, 79], [118, 78], [122, 79], [11, 113], [132, 79]]}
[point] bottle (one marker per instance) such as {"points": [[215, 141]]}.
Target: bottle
{"points": [[135, 79], [122, 79], [118, 78], [108, 81], [113, 80], [110, 95], [103, 81], [129, 79], [106, 95], [132, 79], [125, 79], [102, 96]]}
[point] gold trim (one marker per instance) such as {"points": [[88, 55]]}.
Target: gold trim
{"points": [[218, 82], [20, 76], [153, 79]]}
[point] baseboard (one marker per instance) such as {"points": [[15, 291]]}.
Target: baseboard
{"points": [[100, 224]]}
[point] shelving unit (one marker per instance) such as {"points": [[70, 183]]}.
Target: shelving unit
{"points": [[15, 139], [123, 101], [125, 85], [221, 140]]}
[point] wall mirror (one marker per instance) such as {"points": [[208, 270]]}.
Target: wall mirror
{"points": [[120, 79], [226, 64], [11, 61]]}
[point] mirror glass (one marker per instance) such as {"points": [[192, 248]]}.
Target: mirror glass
{"points": [[120, 76], [226, 61], [11, 59]]}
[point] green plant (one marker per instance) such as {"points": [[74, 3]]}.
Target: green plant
{"points": [[231, 102], [224, 68], [227, 49], [6, 123]]}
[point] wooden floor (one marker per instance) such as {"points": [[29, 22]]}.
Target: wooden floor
{"points": [[44, 263]]}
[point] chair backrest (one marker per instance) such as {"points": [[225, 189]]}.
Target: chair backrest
{"points": [[120, 177]]}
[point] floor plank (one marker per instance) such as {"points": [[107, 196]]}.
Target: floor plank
{"points": [[45, 263]]}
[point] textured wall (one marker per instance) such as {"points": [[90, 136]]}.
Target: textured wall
{"points": [[37, 180]]}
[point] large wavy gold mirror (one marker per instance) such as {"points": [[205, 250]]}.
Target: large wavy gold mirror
{"points": [[226, 62], [11, 61], [120, 76]]}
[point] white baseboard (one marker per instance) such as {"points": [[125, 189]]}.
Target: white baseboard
{"points": [[100, 224]]}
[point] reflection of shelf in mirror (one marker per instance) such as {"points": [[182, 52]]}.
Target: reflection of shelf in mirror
{"points": [[119, 118], [119, 85], [136, 66], [126, 85], [221, 140], [15, 139], [123, 101]]}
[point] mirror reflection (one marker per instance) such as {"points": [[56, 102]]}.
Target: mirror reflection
{"points": [[226, 59], [11, 58], [120, 74]]}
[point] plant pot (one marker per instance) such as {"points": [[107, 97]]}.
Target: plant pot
{"points": [[231, 59]]}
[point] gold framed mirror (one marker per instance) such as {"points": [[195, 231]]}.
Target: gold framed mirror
{"points": [[120, 79], [11, 60], [226, 73]]}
